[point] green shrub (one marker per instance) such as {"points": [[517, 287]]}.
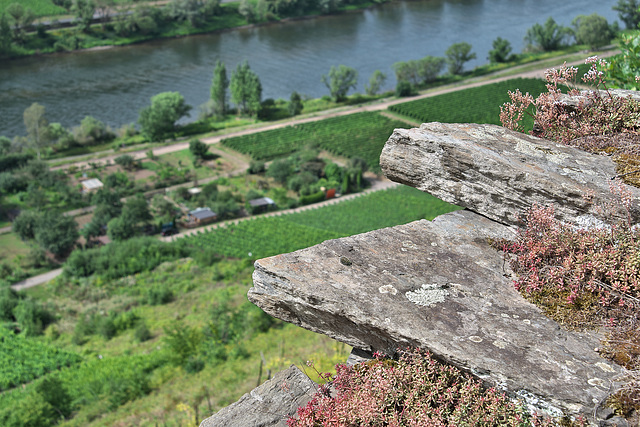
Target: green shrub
{"points": [[312, 198]]}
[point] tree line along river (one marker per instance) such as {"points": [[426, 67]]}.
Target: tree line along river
{"points": [[114, 84]]}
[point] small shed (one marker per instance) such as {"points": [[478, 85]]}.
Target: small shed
{"points": [[93, 184], [262, 204], [201, 216]]}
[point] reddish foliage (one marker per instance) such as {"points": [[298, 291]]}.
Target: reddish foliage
{"points": [[413, 391]]}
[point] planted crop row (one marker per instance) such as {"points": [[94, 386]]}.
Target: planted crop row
{"points": [[263, 237], [23, 359], [383, 209], [362, 135], [474, 105]]}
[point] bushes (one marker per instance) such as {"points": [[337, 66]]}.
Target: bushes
{"points": [[120, 259], [312, 198]]}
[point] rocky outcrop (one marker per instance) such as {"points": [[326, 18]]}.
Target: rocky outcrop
{"points": [[500, 173], [270, 404], [439, 286]]}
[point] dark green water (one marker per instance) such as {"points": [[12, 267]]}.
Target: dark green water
{"points": [[113, 85]]}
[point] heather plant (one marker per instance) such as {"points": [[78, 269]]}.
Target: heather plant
{"points": [[597, 113], [599, 123], [414, 390], [586, 278]]}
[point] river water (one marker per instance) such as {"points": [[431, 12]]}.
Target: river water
{"points": [[114, 84]]}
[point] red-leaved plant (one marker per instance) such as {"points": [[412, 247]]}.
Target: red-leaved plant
{"points": [[598, 112], [414, 390]]}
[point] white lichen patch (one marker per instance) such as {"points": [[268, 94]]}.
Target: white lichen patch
{"points": [[535, 403], [540, 152], [428, 295], [499, 344], [388, 289], [256, 396], [605, 367], [597, 382], [526, 321], [475, 338], [408, 244]]}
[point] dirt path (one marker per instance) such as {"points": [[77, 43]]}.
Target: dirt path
{"points": [[336, 112], [36, 280]]}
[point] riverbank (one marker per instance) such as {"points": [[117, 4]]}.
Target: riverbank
{"points": [[146, 27]]}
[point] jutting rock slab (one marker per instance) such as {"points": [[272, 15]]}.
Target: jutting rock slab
{"points": [[438, 286], [269, 404], [500, 173]]}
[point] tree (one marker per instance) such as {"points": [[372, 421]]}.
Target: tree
{"points": [[158, 120], [25, 224], [340, 80], [120, 228], [280, 170], [37, 127], [136, 210], [5, 34], [457, 54], [592, 30], [376, 81], [246, 89], [22, 18], [547, 37], [187, 10], [84, 10], [419, 71], [501, 51], [219, 86], [104, 8], [629, 12], [295, 104], [126, 161], [404, 88], [56, 233], [198, 148]]}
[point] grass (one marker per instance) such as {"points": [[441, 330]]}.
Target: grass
{"points": [[11, 247], [175, 393], [39, 7]]}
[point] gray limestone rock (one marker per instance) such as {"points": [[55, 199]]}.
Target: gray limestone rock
{"points": [[499, 173], [439, 286], [269, 404]]}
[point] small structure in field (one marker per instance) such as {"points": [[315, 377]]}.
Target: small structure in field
{"points": [[93, 184], [200, 216], [260, 205]]}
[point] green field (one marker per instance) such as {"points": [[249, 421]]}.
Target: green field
{"points": [[39, 7], [23, 359], [11, 246], [356, 135], [263, 237], [474, 105]]}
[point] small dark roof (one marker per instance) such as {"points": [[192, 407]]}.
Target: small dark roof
{"points": [[202, 213], [263, 201]]}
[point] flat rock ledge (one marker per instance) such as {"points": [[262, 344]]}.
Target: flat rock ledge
{"points": [[269, 404], [439, 286], [499, 173]]}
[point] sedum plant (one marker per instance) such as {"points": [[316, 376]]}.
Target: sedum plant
{"points": [[414, 390]]}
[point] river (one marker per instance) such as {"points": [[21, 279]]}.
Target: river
{"points": [[114, 84]]}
